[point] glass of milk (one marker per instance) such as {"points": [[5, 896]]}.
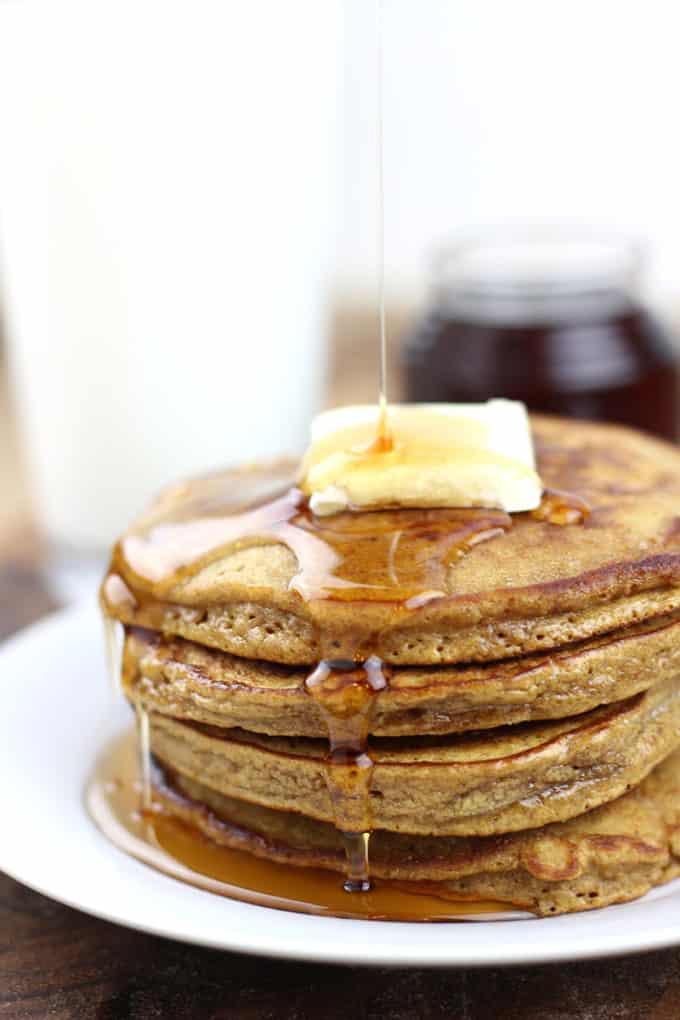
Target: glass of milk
{"points": [[166, 198]]}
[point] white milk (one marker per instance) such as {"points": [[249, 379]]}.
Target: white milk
{"points": [[166, 200]]}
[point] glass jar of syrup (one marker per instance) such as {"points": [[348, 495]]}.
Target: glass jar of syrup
{"points": [[553, 319]]}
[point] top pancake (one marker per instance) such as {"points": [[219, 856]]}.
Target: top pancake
{"points": [[538, 585]]}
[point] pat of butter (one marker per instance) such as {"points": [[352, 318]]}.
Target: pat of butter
{"points": [[441, 455]]}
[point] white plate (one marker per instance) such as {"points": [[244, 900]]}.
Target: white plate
{"points": [[57, 713]]}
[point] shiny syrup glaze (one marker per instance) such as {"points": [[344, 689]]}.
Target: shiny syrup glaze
{"points": [[392, 556], [114, 652], [176, 849], [400, 557]]}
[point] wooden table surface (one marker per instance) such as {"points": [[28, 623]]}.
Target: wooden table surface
{"points": [[59, 963]]}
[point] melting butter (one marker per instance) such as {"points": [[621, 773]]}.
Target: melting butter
{"points": [[431, 455]]}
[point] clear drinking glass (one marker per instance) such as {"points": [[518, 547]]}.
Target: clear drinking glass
{"points": [[167, 190]]}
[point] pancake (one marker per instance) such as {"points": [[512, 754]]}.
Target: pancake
{"points": [[479, 784], [182, 679], [190, 569], [612, 854]]}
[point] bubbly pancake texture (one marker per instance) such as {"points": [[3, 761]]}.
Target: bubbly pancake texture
{"points": [[511, 588], [609, 855], [179, 678], [479, 784]]}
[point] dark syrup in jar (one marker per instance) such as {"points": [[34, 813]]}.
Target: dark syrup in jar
{"points": [[556, 322]]}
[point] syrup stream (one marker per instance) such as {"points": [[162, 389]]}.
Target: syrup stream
{"points": [[144, 753], [345, 692], [383, 438], [114, 650]]}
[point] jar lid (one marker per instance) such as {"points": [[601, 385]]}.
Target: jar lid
{"points": [[531, 274]]}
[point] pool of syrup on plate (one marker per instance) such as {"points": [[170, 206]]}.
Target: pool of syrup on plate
{"points": [[116, 797]]}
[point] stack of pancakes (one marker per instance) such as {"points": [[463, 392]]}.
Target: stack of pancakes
{"points": [[523, 741]]}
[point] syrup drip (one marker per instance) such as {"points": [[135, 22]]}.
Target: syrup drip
{"points": [[345, 692], [358, 878], [114, 651], [383, 441], [144, 752], [170, 846], [558, 507]]}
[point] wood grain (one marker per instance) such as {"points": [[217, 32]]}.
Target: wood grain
{"points": [[58, 963]]}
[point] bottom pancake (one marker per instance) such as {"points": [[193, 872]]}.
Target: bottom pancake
{"points": [[609, 855]]}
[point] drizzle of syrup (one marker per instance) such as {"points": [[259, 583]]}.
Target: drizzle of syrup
{"points": [[114, 651], [558, 507], [345, 692], [144, 755], [386, 556], [171, 846], [384, 440]]}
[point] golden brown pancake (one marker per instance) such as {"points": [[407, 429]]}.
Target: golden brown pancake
{"points": [[611, 854], [479, 784], [538, 585], [182, 679], [531, 692]]}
